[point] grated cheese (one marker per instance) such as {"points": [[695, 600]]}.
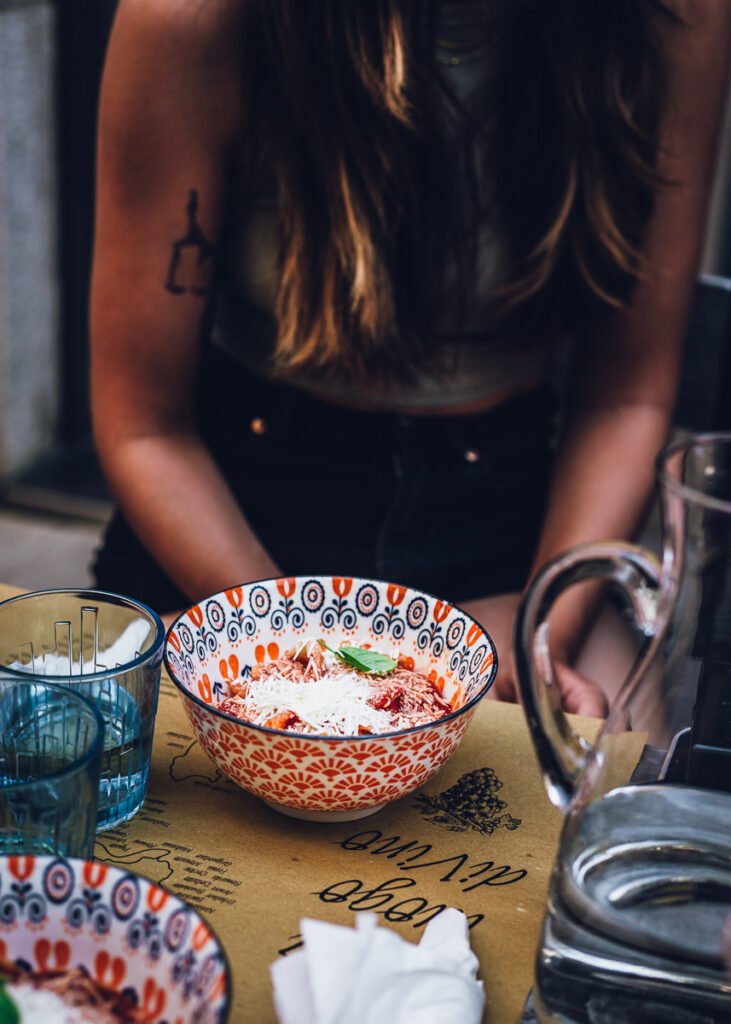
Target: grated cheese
{"points": [[337, 703]]}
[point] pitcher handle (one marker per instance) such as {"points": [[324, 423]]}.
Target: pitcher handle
{"points": [[562, 753]]}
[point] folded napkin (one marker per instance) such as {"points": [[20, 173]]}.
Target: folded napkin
{"points": [[369, 975]]}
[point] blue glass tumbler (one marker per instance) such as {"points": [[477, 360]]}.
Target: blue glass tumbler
{"points": [[108, 648], [51, 742]]}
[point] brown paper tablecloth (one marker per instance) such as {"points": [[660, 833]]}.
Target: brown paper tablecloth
{"points": [[480, 836], [253, 873]]}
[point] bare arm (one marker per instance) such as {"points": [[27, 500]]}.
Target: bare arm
{"points": [[625, 377], [169, 118]]}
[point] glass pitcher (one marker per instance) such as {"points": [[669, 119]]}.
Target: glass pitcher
{"points": [[641, 887]]}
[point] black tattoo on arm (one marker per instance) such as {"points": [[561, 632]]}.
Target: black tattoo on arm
{"points": [[192, 256]]}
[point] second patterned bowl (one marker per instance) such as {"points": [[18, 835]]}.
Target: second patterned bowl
{"points": [[218, 641], [133, 940]]}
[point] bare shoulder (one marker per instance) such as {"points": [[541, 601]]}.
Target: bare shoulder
{"points": [[168, 55], [703, 26], [204, 29], [702, 14], [698, 48]]}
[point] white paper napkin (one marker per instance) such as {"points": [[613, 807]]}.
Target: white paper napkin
{"points": [[370, 975]]}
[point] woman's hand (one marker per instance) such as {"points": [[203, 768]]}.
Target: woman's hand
{"points": [[579, 695]]}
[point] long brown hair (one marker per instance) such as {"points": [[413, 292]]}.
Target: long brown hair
{"points": [[344, 100]]}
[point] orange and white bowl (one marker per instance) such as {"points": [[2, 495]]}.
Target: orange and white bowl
{"points": [[128, 934], [219, 641]]}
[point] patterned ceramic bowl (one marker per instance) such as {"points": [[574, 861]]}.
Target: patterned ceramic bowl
{"points": [[127, 933], [320, 777]]}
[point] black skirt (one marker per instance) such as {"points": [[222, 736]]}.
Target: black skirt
{"points": [[452, 505]]}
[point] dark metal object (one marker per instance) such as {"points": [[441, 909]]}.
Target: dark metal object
{"points": [[709, 758], [709, 746], [704, 399]]}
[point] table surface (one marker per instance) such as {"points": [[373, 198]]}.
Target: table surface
{"points": [[254, 873]]}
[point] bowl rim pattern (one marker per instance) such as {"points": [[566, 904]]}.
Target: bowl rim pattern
{"points": [[292, 734]]}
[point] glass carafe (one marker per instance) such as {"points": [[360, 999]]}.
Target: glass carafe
{"points": [[641, 886]]}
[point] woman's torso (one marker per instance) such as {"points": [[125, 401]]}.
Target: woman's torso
{"points": [[478, 368]]}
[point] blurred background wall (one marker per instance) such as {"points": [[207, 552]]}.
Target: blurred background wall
{"points": [[29, 240], [51, 54]]}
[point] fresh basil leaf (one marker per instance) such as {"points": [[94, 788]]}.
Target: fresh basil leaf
{"points": [[363, 659], [9, 1013], [367, 661]]}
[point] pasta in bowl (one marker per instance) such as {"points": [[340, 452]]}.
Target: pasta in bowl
{"points": [[328, 696]]}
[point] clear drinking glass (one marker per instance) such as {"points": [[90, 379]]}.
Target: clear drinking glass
{"points": [[641, 886], [51, 742], [109, 649]]}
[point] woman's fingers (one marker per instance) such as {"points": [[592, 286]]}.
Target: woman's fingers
{"points": [[579, 695]]}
